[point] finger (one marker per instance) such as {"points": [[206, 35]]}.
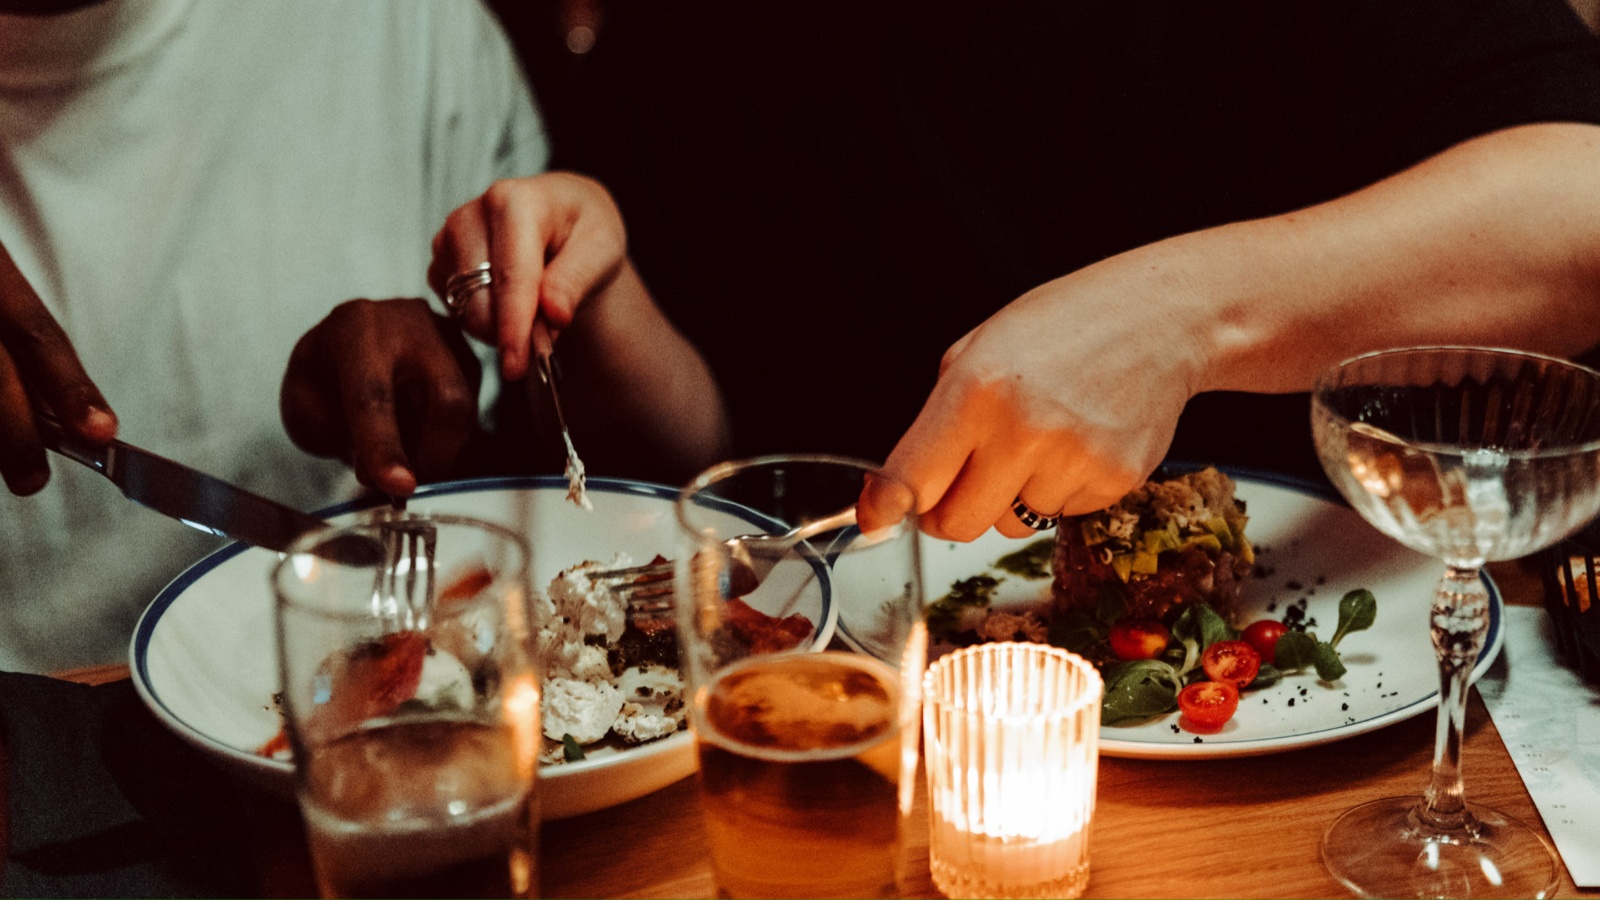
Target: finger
{"points": [[928, 456], [44, 361], [588, 259], [438, 407], [22, 461], [1045, 492], [309, 403], [523, 224], [983, 491], [460, 245], [883, 502], [365, 374]]}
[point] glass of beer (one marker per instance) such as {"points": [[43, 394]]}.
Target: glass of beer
{"points": [[807, 755], [411, 700]]}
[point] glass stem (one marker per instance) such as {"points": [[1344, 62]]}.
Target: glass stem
{"points": [[1459, 621]]}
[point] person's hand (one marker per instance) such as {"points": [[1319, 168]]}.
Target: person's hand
{"points": [[388, 386], [1067, 399], [37, 362], [552, 240]]}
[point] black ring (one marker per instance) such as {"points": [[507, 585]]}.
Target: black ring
{"points": [[1033, 519]]}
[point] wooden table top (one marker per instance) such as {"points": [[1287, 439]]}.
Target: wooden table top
{"points": [[1232, 827]]}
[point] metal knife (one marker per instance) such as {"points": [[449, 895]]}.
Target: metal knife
{"points": [[192, 497]]}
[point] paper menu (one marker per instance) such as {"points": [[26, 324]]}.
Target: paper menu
{"points": [[1550, 722]]}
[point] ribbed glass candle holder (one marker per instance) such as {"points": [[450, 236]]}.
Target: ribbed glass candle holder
{"points": [[1011, 741]]}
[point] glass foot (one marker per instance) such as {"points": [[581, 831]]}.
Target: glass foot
{"points": [[1383, 849]]}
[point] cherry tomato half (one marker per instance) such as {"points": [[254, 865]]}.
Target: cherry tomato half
{"points": [[1207, 705], [1138, 638], [1263, 636], [1234, 662]]}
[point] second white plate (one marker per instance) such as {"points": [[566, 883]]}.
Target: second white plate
{"points": [[1310, 548]]}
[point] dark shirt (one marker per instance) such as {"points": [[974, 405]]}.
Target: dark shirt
{"points": [[826, 195]]}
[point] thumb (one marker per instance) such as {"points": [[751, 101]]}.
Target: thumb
{"points": [[884, 501]]}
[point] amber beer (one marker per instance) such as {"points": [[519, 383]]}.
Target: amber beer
{"points": [[374, 816], [799, 772]]}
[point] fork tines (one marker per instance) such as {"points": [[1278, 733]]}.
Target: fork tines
{"points": [[646, 589]]}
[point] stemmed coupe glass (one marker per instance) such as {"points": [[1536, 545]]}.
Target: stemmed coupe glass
{"points": [[1470, 455]]}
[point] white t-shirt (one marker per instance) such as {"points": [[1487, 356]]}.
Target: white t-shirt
{"points": [[190, 186]]}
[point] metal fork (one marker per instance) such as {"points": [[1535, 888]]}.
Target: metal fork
{"points": [[405, 589], [751, 558]]}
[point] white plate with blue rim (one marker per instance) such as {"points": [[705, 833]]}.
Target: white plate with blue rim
{"points": [[204, 660], [1312, 549]]}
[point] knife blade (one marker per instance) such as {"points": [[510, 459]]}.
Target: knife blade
{"points": [[194, 498]]}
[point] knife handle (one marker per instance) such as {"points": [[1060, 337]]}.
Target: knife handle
{"points": [[56, 438]]}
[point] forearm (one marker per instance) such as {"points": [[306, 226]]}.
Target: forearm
{"points": [[638, 397], [1494, 242]]}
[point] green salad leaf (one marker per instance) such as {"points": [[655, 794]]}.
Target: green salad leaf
{"points": [[1357, 611], [1296, 651], [1301, 650], [1032, 561], [1138, 690]]}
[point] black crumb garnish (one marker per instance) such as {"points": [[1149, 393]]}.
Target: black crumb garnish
{"points": [[1294, 617], [1380, 684], [1273, 606], [1344, 707], [1198, 741], [1174, 729], [1293, 584], [1291, 701]]}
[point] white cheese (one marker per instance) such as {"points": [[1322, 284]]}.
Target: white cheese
{"points": [[583, 710]]}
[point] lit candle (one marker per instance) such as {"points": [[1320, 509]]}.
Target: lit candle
{"points": [[1011, 737]]}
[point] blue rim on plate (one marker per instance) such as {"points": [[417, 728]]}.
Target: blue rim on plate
{"points": [[144, 631]]}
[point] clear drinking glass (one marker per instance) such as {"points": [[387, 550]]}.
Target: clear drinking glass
{"points": [[806, 758], [412, 706], [1469, 455]]}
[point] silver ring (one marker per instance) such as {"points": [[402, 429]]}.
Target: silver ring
{"points": [[459, 288], [1030, 517]]}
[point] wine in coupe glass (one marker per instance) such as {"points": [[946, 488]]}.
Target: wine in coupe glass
{"points": [[1469, 455]]}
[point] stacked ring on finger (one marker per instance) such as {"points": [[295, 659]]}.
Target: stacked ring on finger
{"points": [[1031, 517], [460, 287]]}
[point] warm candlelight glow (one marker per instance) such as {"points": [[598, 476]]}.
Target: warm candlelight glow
{"points": [[1011, 734], [522, 714]]}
